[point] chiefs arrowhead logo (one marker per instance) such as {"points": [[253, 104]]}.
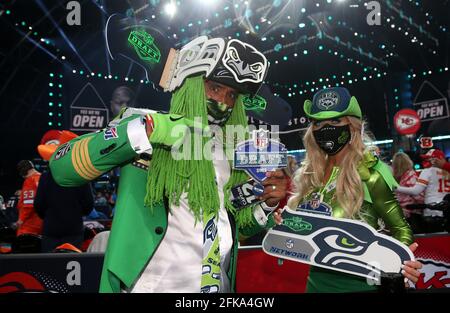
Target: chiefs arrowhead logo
{"points": [[407, 122]]}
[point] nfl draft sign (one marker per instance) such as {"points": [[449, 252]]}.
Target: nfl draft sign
{"points": [[256, 156]]}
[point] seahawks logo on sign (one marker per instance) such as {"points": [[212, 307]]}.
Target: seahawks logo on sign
{"points": [[344, 245], [328, 100]]}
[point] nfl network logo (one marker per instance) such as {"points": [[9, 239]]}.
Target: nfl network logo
{"points": [[289, 243], [261, 138]]}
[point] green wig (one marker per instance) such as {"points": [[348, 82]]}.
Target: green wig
{"points": [[170, 178]]}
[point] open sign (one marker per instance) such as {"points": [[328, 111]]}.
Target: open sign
{"points": [[432, 110]]}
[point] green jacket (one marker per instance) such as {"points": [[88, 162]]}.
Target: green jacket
{"points": [[136, 231]]}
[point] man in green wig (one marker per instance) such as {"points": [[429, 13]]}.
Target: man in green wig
{"points": [[175, 229]]}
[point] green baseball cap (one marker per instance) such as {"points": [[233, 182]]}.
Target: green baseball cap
{"points": [[332, 103]]}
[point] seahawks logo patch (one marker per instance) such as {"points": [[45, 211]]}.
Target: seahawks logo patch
{"points": [[328, 100]]}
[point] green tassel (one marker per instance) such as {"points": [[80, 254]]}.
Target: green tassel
{"points": [[171, 178]]}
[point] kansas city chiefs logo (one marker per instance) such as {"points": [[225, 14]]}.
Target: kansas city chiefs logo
{"points": [[406, 121], [433, 275]]}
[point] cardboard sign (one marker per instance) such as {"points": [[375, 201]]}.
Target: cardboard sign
{"points": [[88, 112], [343, 245], [433, 109]]}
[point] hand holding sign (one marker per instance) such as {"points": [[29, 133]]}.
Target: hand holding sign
{"points": [[342, 245], [262, 158], [275, 187]]}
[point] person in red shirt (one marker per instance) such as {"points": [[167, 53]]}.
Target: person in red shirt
{"points": [[29, 222]]}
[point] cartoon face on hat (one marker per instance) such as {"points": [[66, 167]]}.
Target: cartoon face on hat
{"points": [[233, 63], [332, 103], [242, 67]]}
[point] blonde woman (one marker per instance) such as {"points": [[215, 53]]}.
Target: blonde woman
{"points": [[349, 181], [402, 167]]}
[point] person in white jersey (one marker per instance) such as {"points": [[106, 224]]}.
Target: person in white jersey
{"points": [[433, 180]]}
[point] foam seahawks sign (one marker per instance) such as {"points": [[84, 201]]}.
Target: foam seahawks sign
{"points": [[342, 245], [230, 62], [260, 155]]}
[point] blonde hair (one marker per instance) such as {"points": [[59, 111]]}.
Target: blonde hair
{"points": [[401, 163], [349, 186]]}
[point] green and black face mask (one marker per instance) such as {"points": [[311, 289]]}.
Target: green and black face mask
{"points": [[218, 112], [332, 139]]}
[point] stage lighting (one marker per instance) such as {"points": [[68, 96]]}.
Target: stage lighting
{"points": [[207, 2], [170, 9]]}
